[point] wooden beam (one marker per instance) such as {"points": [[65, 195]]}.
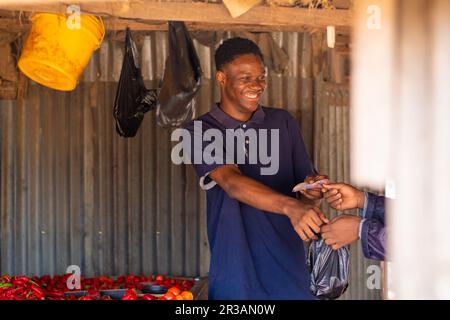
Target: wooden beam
{"points": [[122, 24], [342, 4], [273, 18], [113, 24]]}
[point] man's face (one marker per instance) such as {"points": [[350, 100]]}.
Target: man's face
{"points": [[242, 83]]}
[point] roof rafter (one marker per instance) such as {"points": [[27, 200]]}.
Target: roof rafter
{"points": [[212, 14]]}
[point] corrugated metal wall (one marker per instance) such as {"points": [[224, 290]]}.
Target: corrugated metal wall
{"points": [[73, 192]]}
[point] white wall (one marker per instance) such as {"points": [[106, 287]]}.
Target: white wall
{"points": [[400, 130]]}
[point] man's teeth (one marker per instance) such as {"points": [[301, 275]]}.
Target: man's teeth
{"points": [[251, 96]]}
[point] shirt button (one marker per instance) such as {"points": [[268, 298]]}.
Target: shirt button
{"points": [[246, 141], [244, 126]]}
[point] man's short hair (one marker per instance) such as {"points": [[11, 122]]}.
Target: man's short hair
{"points": [[232, 48]]}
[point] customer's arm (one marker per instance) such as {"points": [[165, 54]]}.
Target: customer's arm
{"points": [[373, 239]]}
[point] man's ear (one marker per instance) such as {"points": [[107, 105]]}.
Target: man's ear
{"points": [[220, 77]]}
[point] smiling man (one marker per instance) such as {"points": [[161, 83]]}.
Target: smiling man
{"points": [[256, 224]]}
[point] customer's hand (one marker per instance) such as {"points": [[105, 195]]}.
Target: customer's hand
{"points": [[341, 231], [341, 196]]}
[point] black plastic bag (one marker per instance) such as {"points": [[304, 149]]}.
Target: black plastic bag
{"points": [[329, 270], [133, 100], [181, 80]]}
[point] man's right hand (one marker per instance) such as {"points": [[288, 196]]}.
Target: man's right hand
{"points": [[306, 219], [341, 196]]}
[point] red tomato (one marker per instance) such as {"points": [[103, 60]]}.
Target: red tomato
{"points": [[130, 294]]}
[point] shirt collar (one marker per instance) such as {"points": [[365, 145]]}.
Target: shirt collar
{"points": [[231, 123]]}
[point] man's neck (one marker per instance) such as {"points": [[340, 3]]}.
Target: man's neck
{"points": [[239, 116]]}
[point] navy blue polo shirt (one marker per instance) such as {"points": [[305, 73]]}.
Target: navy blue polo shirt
{"points": [[254, 254]]}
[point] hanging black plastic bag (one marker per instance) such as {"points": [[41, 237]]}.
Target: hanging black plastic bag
{"points": [[329, 270], [133, 100], [181, 80]]}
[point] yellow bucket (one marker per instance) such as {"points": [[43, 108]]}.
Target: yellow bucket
{"points": [[55, 55]]}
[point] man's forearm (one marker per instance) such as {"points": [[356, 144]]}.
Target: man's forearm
{"points": [[254, 193], [305, 219]]}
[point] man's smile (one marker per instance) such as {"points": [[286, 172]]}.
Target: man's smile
{"points": [[252, 95]]}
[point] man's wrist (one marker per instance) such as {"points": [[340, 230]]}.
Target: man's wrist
{"points": [[289, 206], [363, 210], [312, 202], [361, 199]]}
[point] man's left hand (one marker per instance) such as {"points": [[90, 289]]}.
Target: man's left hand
{"points": [[341, 231], [313, 194]]}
